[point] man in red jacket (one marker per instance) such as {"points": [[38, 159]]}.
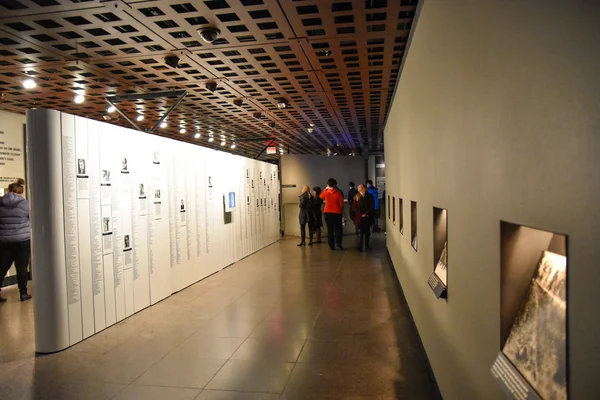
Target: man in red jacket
{"points": [[334, 206]]}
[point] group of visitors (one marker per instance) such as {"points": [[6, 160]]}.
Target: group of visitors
{"points": [[364, 211], [15, 245]]}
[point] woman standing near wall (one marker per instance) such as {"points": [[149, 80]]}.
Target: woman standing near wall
{"points": [[317, 214], [15, 245], [364, 208], [306, 214]]}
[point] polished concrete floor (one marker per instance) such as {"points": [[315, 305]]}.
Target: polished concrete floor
{"points": [[286, 323]]}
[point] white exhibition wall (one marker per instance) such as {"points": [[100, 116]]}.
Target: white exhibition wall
{"points": [[122, 219]]}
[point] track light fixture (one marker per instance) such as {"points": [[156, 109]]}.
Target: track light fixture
{"points": [[140, 118], [271, 124], [282, 103], [257, 115], [172, 61], [238, 102], [211, 86], [163, 124], [111, 109]]}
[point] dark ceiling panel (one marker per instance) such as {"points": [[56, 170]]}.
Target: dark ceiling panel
{"points": [[333, 62]]}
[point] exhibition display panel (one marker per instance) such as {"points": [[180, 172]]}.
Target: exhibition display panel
{"points": [[532, 363], [438, 281], [122, 219]]}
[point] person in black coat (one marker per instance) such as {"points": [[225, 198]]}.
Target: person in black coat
{"points": [[364, 208], [352, 192], [317, 215], [305, 215]]}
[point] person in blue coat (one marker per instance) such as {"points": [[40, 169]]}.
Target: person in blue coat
{"points": [[15, 235], [373, 191]]}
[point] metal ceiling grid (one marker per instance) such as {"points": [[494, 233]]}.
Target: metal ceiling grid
{"points": [[334, 63]]}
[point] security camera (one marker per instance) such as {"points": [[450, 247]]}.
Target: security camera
{"points": [[172, 61], [209, 35], [238, 102], [211, 85]]}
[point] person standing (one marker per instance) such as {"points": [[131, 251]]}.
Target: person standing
{"points": [[364, 207], [317, 215], [373, 191], [352, 192], [334, 206], [305, 215], [15, 235]]}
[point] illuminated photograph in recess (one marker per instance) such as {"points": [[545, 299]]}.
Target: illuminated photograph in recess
{"points": [[536, 344]]}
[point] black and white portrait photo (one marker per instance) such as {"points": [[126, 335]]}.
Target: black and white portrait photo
{"points": [[126, 242], [182, 207], [106, 225], [105, 177], [157, 194], [81, 170], [210, 181], [142, 191], [156, 159], [124, 167]]}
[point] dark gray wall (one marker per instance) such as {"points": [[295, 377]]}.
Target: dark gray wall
{"points": [[310, 170], [496, 117]]}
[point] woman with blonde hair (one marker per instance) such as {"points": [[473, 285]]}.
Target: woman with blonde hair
{"points": [[364, 210], [306, 214], [15, 235]]}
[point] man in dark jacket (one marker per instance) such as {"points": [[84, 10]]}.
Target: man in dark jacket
{"points": [[15, 235], [373, 191]]}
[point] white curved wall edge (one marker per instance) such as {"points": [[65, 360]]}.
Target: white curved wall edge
{"points": [[140, 218]]}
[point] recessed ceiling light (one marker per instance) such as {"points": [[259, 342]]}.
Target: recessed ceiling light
{"points": [[310, 130], [29, 83], [140, 118], [182, 130], [79, 99], [233, 145], [163, 124], [223, 143], [311, 125], [111, 109], [197, 135], [211, 139]]}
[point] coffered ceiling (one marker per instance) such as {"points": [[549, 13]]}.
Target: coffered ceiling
{"points": [[333, 62]]}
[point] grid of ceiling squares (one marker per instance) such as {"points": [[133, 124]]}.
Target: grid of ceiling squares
{"points": [[334, 63]]}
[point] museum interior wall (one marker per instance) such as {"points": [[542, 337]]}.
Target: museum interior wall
{"points": [[121, 219], [12, 160], [300, 170], [491, 148]]}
